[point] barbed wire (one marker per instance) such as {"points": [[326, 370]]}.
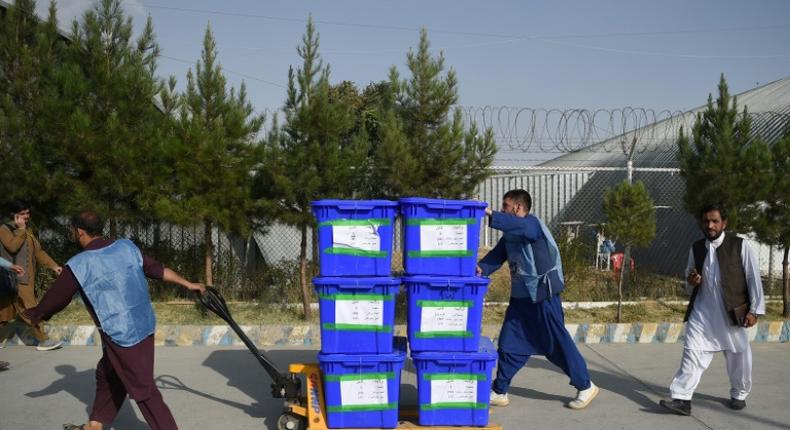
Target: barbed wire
{"points": [[560, 131], [596, 130]]}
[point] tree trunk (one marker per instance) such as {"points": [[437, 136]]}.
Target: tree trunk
{"points": [[113, 221], [113, 229], [770, 283], [786, 284], [303, 274], [620, 297], [316, 253], [157, 234], [208, 253]]}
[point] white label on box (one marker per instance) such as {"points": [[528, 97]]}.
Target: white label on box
{"points": [[453, 391], [364, 392], [445, 318], [362, 237], [443, 237], [359, 312]]}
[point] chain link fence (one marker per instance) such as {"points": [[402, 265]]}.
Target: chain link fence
{"points": [[570, 202], [265, 265]]}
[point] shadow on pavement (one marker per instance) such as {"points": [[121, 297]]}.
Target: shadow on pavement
{"points": [[243, 372], [82, 385], [615, 380]]}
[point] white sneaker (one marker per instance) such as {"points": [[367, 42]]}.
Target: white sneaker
{"points": [[498, 399], [49, 345], [584, 397]]}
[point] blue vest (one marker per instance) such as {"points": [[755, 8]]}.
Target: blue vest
{"points": [[526, 280], [114, 282]]}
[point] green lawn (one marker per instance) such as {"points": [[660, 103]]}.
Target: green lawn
{"points": [[186, 313]]}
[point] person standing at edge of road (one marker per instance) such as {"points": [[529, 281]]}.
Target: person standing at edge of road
{"points": [[19, 271], [20, 246], [723, 278], [111, 278], [534, 321]]}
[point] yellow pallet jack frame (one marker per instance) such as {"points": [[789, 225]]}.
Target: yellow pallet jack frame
{"points": [[308, 413]]}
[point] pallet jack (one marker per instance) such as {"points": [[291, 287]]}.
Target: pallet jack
{"points": [[303, 411]]}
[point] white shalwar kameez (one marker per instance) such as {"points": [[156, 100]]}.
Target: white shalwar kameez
{"points": [[709, 328]]}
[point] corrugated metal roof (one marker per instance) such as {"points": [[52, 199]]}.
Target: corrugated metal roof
{"points": [[768, 105], [4, 5]]}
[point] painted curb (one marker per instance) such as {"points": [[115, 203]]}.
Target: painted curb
{"points": [[310, 335]]}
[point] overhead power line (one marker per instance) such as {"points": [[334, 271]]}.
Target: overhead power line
{"points": [[469, 33], [243, 75], [510, 38]]}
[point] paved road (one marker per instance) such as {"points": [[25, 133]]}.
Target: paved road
{"points": [[217, 388]]}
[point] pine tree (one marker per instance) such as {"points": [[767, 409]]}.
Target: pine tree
{"points": [[30, 51], [108, 119], [721, 161], [425, 150], [319, 152], [631, 220], [214, 155]]}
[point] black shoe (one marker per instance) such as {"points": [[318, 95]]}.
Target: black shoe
{"points": [[680, 407], [737, 404]]}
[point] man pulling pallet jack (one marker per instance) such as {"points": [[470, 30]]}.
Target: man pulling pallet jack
{"points": [[119, 303]]}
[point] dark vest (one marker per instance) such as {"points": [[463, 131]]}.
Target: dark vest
{"points": [[733, 277]]}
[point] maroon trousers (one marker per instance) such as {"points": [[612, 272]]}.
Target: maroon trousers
{"points": [[129, 370]]}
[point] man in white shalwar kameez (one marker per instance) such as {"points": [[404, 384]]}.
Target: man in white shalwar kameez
{"points": [[723, 279]]}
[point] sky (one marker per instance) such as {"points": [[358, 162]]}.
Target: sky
{"points": [[562, 54]]}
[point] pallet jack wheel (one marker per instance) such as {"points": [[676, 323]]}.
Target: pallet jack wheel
{"points": [[289, 421]]}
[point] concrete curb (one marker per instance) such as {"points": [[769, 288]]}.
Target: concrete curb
{"points": [[310, 334]]}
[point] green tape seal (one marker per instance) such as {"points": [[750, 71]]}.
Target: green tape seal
{"points": [[348, 222], [459, 405], [441, 221], [360, 408], [445, 303], [436, 334], [357, 327], [454, 377], [381, 297], [355, 252], [431, 254], [361, 376]]}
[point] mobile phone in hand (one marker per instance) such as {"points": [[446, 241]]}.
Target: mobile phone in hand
{"points": [[693, 274]]}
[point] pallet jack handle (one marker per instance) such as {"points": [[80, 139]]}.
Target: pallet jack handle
{"points": [[284, 385]]}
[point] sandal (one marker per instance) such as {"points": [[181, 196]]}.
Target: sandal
{"points": [[73, 427]]}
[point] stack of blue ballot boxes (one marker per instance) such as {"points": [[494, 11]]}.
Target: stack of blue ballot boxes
{"points": [[445, 309], [360, 358]]}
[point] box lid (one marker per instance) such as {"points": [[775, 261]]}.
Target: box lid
{"points": [[353, 204], [355, 281], [398, 355], [446, 281], [443, 203], [486, 351]]}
